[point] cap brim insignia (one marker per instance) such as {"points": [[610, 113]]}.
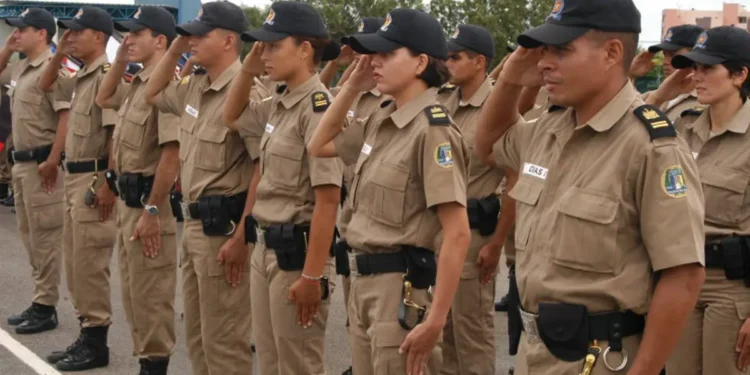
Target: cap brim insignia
{"points": [[320, 101], [79, 13], [701, 43], [270, 17], [386, 23], [25, 12], [361, 26], [673, 182], [137, 13], [668, 38], [557, 9], [444, 155], [200, 14], [455, 34]]}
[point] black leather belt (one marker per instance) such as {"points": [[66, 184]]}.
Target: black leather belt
{"points": [[38, 154], [373, 264], [236, 204], [721, 251], [89, 166]]}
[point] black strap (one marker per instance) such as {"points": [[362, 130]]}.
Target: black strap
{"points": [[235, 204], [372, 264], [87, 166], [38, 154], [613, 327]]}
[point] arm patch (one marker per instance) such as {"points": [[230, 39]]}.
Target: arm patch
{"points": [[437, 115], [657, 123]]}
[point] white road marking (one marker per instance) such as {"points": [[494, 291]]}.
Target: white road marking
{"points": [[25, 355]]}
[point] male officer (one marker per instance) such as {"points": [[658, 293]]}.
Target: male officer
{"points": [[215, 174], [469, 337], [678, 40], [146, 160], [37, 181], [89, 225], [608, 198]]}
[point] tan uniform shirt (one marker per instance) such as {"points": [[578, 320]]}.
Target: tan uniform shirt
{"points": [[33, 112], [408, 160], [141, 128], [483, 180], [674, 108], [600, 206], [284, 125], [214, 159], [89, 126], [724, 165]]}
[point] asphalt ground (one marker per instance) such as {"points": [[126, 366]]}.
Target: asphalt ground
{"points": [[16, 291]]}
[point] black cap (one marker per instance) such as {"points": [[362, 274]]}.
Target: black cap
{"points": [[288, 18], [35, 17], [677, 38], [716, 46], [474, 38], [155, 18], [572, 18], [404, 28], [215, 15], [89, 18]]}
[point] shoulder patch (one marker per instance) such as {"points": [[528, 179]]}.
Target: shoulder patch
{"points": [[657, 123], [448, 87], [320, 101], [185, 80], [437, 115], [106, 67], [555, 108], [695, 111], [280, 88]]}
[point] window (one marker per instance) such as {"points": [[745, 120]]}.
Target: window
{"points": [[743, 20]]}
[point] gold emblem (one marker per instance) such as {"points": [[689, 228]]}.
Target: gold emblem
{"points": [[702, 40], [270, 17], [386, 23], [558, 6], [650, 114]]}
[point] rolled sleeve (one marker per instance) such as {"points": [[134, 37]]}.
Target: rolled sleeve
{"points": [[253, 119], [172, 98], [168, 128], [670, 200], [350, 140], [118, 98], [507, 150], [6, 74], [445, 161], [109, 117], [63, 88], [323, 171], [58, 103]]}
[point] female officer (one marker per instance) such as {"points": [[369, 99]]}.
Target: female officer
{"points": [[297, 196], [717, 338], [410, 181]]}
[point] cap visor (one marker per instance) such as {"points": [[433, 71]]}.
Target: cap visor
{"points": [[370, 44], [194, 28], [550, 34], [331, 51], [70, 24], [665, 46], [261, 35], [16, 22], [128, 26], [455, 47], [691, 58]]}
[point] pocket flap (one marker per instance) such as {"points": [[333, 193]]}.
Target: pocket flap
{"points": [[724, 178], [139, 115], [391, 177], [85, 215], [588, 206], [213, 133], [527, 191], [287, 148], [30, 97], [82, 106]]}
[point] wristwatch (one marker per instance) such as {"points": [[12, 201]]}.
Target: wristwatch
{"points": [[151, 209]]}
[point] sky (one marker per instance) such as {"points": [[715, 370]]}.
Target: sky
{"points": [[650, 12]]}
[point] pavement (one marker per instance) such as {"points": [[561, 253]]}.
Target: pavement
{"points": [[16, 291]]}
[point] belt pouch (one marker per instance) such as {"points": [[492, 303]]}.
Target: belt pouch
{"points": [[732, 252], [214, 217], [341, 253], [489, 209], [421, 267], [251, 236], [564, 329], [132, 196], [472, 207], [282, 239], [175, 197]]}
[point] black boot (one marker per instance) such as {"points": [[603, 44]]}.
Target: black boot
{"points": [[42, 318], [502, 304], [58, 355], [17, 319], [90, 354], [154, 366]]}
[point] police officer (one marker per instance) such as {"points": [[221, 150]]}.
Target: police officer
{"points": [[215, 175], [469, 335], [608, 199], [410, 182], [717, 337], [146, 162], [39, 141], [89, 224], [679, 39], [297, 195]]}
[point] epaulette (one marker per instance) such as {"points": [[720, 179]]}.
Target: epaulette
{"points": [[448, 87], [386, 103], [106, 67], [555, 108], [657, 123], [695, 111], [437, 115], [185, 80], [280, 88], [200, 71], [320, 101]]}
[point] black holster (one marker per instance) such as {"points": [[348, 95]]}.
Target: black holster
{"points": [[175, 198], [289, 242], [421, 267], [564, 329], [483, 214], [220, 214], [251, 235], [515, 325], [341, 253], [733, 255], [134, 189]]}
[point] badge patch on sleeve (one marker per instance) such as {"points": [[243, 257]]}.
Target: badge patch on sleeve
{"points": [[673, 182], [444, 155]]}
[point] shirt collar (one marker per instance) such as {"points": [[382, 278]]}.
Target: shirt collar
{"points": [[44, 56], [145, 73], [226, 76], [101, 60], [480, 96], [290, 98], [402, 116], [614, 110], [741, 120]]}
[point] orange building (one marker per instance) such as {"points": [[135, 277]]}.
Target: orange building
{"points": [[730, 15]]}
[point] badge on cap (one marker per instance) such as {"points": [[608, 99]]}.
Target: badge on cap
{"points": [[701, 43], [270, 17], [673, 182], [361, 26], [137, 14], [668, 38], [444, 155], [557, 9], [455, 34], [200, 14], [386, 23], [25, 12], [79, 14], [320, 101]]}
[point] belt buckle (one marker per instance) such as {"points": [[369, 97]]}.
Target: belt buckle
{"points": [[530, 326], [185, 211]]}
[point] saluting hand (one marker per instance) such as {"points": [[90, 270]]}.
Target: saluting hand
{"points": [[362, 78], [253, 63], [307, 295], [681, 82], [105, 200], [743, 346], [10, 42], [642, 64], [233, 255], [122, 51], [63, 45], [522, 68], [180, 45], [419, 344], [346, 56]]}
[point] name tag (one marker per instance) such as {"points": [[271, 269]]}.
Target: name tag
{"points": [[366, 149], [192, 111], [12, 83], [269, 128], [535, 170], [350, 114]]}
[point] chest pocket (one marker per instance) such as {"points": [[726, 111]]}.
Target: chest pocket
{"points": [[356, 179], [211, 150], [725, 191], [134, 126], [587, 231], [526, 192], [387, 194], [283, 161], [31, 104], [80, 118]]}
